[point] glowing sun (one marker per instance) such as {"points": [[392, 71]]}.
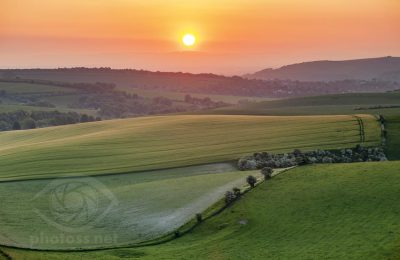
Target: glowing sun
{"points": [[188, 39]]}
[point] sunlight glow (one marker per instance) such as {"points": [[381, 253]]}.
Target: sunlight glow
{"points": [[189, 39]]}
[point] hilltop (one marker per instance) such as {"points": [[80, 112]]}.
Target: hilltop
{"points": [[386, 68]]}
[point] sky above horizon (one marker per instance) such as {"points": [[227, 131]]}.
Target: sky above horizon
{"points": [[233, 36]]}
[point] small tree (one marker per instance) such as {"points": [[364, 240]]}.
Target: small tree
{"points": [[267, 172], [301, 160], [16, 126], [229, 197], [177, 234], [236, 192], [84, 118], [251, 180], [199, 217], [28, 123]]}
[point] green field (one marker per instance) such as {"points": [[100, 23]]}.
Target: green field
{"points": [[151, 175], [357, 103], [150, 143], [180, 96], [340, 211], [137, 207], [60, 97], [27, 88]]}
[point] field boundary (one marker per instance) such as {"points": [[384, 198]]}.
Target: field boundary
{"points": [[361, 128], [246, 188]]}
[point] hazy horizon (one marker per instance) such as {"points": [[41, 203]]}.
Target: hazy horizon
{"points": [[233, 38], [193, 72]]}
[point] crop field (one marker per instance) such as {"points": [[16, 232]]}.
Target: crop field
{"points": [[137, 207], [152, 143], [321, 211]]}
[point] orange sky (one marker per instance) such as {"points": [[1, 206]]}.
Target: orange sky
{"points": [[234, 36]]}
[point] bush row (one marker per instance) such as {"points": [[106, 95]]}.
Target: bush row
{"points": [[297, 157]]}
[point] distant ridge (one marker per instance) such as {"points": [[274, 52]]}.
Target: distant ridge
{"points": [[385, 68]]}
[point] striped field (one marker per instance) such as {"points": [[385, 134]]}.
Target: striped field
{"points": [[152, 143]]}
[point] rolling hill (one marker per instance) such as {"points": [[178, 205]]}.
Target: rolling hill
{"points": [[387, 68], [143, 171], [153, 143], [341, 211], [187, 83], [386, 104]]}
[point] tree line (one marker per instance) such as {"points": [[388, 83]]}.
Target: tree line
{"points": [[20, 120]]}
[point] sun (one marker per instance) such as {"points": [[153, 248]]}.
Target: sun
{"points": [[188, 39]]}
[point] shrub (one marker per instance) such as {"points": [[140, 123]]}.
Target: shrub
{"points": [[4, 126], [16, 126], [237, 192], [84, 118], [247, 164], [358, 154], [28, 123], [199, 217], [251, 180], [327, 160], [302, 160], [267, 172], [229, 197], [297, 153]]}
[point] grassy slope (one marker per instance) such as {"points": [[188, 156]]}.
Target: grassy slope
{"points": [[322, 105], [150, 143], [341, 211], [143, 206], [393, 138], [333, 105]]}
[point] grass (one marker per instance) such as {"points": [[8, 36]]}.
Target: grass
{"points": [[340, 211], [150, 143], [137, 207], [321, 105], [393, 137]]}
